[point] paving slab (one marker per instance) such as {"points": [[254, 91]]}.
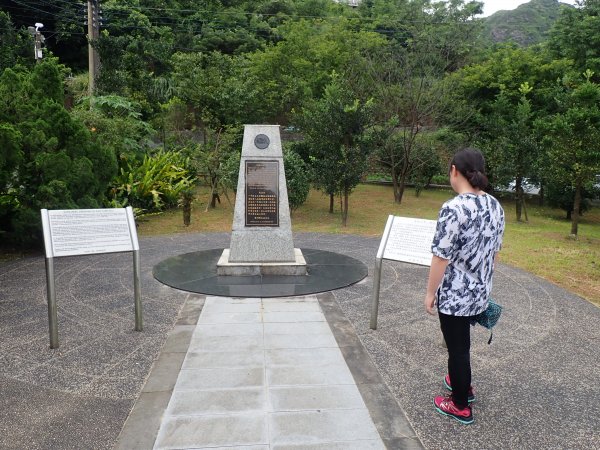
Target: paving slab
{"points": [[221, 401], [302, 397], [225, 343], [210, 431], [201, 379], [321, 426], [281, 341], [224, 360], [332, 374]]}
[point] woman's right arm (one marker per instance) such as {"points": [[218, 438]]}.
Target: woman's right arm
{"points": [[436, 274]]}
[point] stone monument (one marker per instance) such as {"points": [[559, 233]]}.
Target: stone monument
{"points": [[261, 238]]}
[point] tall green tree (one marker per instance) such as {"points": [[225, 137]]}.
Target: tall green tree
{"points": [[516, 146], [217, 88], [52, 161], [508, 91], [412, 97], [135, 55], [334, 128], [447, 31], [299, 66], [15, 46], [219, 95], [573, 139], [576, 36], [407, 78]]}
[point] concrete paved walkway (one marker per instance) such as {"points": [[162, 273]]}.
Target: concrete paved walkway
{"points": [[268, 374], [275, 373]]}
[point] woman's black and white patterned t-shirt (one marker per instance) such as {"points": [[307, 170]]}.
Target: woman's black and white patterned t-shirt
{"points": [[469, 233]]}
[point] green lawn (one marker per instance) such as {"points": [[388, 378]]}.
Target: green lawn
{"points": [[542, 246]]}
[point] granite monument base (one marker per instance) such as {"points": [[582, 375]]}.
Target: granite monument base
{"points": [[240, 268]]}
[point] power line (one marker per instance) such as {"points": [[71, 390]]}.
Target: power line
{"points": [[126, 12], [34, 8], [194, 25]]}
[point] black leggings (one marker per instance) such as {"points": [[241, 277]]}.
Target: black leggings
{"points": [[457, 334]]}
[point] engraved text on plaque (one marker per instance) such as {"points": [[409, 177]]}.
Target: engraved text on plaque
{"points": [[262, 194]]}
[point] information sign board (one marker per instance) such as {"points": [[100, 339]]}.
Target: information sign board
{"points": [[88, 231], [69, 232], [410, 240], [404, 239]]}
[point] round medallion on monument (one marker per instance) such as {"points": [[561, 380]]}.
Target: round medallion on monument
{"points": [[261, 141]]}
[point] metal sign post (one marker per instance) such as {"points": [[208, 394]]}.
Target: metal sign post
{"points": [[137, 274], [377, 272], [404, 239], [85, 232], [137, 290], [51, 294]]}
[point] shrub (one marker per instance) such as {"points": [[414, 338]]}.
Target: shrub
{"points": [[298, 177], [155, 184], [440, 179], [230, 170]]}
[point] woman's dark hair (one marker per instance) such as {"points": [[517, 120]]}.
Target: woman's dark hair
{"points": [[470, 162]]}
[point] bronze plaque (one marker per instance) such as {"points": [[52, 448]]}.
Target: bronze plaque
{"points": [[262, 194], [262, 141]]}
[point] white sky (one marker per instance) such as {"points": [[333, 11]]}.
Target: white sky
{"points": [[491, 6]]}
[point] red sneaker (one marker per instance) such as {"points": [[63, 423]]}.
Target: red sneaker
{"points": [[447, 407], [470, 393]]}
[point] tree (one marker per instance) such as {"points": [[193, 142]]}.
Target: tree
{"points": [[503, 71], [445, 33], [334, 128], [211, 159], [407, 78], [516, 147], [16, 45], [297, 68], [509, 91], [217, 88], [576, 36], [219, 96], [411, 98], [11, 156], [560, 194], [573, 139], [54, 163], [116, 123], [427, 161], [135, 55]]}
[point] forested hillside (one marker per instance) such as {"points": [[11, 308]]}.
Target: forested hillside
{"points": [[392, 86], [527, 24]]}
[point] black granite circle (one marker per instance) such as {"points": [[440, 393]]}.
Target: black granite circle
{"points": [[262, 141], [197, 272]]}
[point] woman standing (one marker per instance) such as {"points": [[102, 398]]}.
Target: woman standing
{"points": [[468, 236]]}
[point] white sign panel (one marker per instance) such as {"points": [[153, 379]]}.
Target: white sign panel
{"points": [[409, 240], [89, 231]]}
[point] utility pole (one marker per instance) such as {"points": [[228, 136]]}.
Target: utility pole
{"points": [[38, 40], [93, 23]]}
